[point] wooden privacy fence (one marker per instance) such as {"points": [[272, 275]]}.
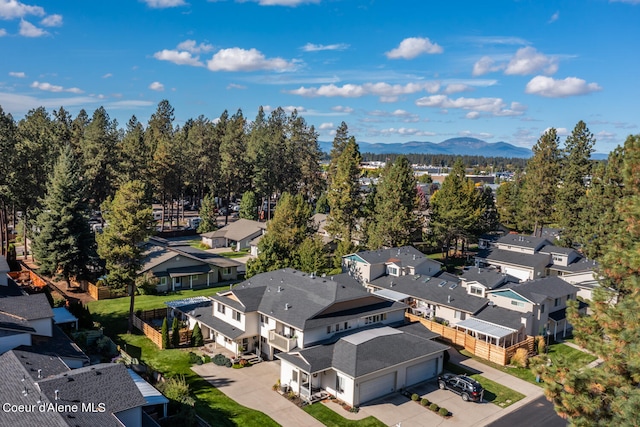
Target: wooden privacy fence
{"points": [[491, 352], [24, 276], [152, 332]]}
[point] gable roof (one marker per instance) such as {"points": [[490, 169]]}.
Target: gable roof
{"points": [[514, 258], [244, 297], [436, 290], [540, 289], [364, 351], [238, 230], [490, 278], [501, 316], [404, 255], [27, 307], [553, 249], [58, 345], [581, 265], [158, 250], [523, 241]]}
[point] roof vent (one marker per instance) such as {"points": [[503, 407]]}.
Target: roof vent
{"points": [[279, 288], [57, 394], [286, 306], [39, 373], [449, 299], [391, 284], [414, 257]]}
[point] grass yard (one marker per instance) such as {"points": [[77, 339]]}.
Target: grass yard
{"points": [[238, 254], [330, 418], [112, 314], [493, 392], [211, 404]]}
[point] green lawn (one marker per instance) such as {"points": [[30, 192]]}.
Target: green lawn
{"points": [[330, 418], [493, 392], [238, 254], [112, 313]]}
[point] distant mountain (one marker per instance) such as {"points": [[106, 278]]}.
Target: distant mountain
{"points": [[453, 146]]}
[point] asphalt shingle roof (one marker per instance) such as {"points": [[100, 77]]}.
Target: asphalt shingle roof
{"points": [[27, 307], [159, 250], [540, 289], [488, 277], [59, 345], [523, 241], [405, 255], [501, 316], [514, 258], [450, 294]]}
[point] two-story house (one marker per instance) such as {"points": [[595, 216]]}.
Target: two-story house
{"points": [[367, 266]]}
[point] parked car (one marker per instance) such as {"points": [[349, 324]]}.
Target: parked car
{"points": [[467, 388]]}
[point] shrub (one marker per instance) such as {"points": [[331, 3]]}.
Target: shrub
{"points": [[434, 407], [236, 366], [206, 359], [196, 337], [220, 359], [415, 397], [228, 364], [243, 362], [165, 333], [175, 333], [520, 358], [194, 358], [541, 343], [443, 411], [425, 402], [354, 409]]}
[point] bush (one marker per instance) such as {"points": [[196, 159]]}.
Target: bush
{"points": [[220, 360], [425, 402], [194, 358], [434, 407], [228, 364], [443, 411], [541, 344], [520, 358], [206, 359], [165, 333], [196, 338], [415, 397], [243, 362], [236, 366], [175, 333]]}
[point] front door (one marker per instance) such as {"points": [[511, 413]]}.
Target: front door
{"points": [[177, 283]]}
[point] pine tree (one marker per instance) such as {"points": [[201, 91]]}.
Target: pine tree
{"points": [[395, 220], [175, 333], [311, 255], [541, 182], [196, 337], [64, 244], [129, 223], [575, 168], [249, 206], [609, 394], [233, 163], [509, 202], [208, 214], [134, 157], [165, 334]]}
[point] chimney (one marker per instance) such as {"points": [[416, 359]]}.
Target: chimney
{"points": [[57, 394]]}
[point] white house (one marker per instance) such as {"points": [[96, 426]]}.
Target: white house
{"points": [[237, 234]]}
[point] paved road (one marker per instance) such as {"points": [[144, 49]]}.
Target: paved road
{"points": [[538, 413]]}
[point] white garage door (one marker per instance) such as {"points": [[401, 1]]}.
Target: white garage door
{"points": [[520, 274], [421, 372], [377, 387]]}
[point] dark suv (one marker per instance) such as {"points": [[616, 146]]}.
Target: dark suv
{"points": [[466, 387]]}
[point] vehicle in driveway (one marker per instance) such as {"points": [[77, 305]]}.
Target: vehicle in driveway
{"points": [[468, 388]]}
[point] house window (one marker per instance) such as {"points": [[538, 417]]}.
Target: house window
{"points": [[237, 315], [375, 318], [542, 308], [163, 281], [195, 277], [226, 271], [264, 319], [568, 297], [221, 308], [459, 315], [517, 303], [294, 376], [337, 327], [339, 384], [392, 270], [346, 325], [328, 329], [557, 302], [474, 290]]}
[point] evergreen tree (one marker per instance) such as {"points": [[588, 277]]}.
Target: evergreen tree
{"points": [[344, 193], [129, 223], [489, 219], [575, 168], [541, 182], [509, 202], [8, 132], [290, 226], [134, 157], [175, 333], [64, 243], [196, 337], [165, 334], [208, 215], [340, 142], [610, 393], [456, 208], [233, 163], [311, 255], [249, 206], [395, 220], [322, 205]]}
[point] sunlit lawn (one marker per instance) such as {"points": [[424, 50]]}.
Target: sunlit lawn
{"points": [[331, 418]]}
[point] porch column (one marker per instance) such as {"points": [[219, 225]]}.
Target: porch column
{"points": [[208, 273], [191, 282]]}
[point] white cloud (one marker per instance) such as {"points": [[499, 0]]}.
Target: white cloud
{"points": [[235, 86], [157, 86], [625, 1], [3, 32], [505, 40], [385, 90], [162, 4], [559, 131], [401, 132], [237, 59], [472, 115], [492, 106], [289, 3], [486, 65], [21, 103], [402, 115], [342, 109], [457, 87], [552, 88], [18, 74], [129, 104], [412, 47], [326, 126], [554, 17], [106, 76], [52, 21], [48, 87], [178, 57], [27, 29], [479, 135], [193, 47], [11, 9], [528, 60], [310, 47], [606, 136]]}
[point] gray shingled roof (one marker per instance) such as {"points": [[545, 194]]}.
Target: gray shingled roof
{"points": [[406, 255], [159, 250], [247, 296], [32, 361], [238, 230], [11, 290], [501, 316], [523, 241], [579, 266], [27, 307], [429, 289], [514, 258], [205, 315], [540, 289], [364, 352], [59, 345], [488, 277], [552, 249]]}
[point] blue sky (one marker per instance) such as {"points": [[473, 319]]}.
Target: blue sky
{"points": [[394, 71]]}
